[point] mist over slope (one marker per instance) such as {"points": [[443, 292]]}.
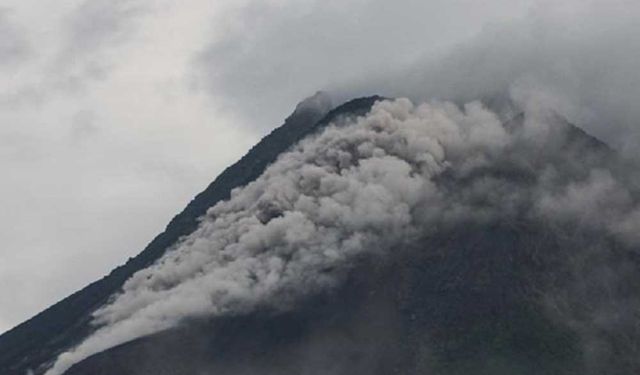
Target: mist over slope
{"points": [[542, 210]]}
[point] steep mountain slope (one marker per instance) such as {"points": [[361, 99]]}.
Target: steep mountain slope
{"points": [[470, 312], [38, 340], [383, 238], [507, 294]]}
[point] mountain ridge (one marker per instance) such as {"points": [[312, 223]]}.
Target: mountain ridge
{"points": [[37, 341], [471, 291], [463, 299]]}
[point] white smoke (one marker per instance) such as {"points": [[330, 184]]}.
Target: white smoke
{"points": [[356, 189]]}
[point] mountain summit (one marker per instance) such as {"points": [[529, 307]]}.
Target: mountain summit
{"points": [[380, 237]]}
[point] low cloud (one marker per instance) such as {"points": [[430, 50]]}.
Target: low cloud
{"points": [[298, 47], [92, 30], [578, 57], [13, 46]]}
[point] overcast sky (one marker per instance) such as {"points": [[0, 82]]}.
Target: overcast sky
{"points": [[115, 113]]}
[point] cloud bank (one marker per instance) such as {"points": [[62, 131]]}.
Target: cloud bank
{"points": [[13, 46], [98, 119], [580, 57], [299, 47], [356, 190]]}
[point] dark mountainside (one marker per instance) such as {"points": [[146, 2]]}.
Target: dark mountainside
{"points": [[472, 306], [39, 340], [437, 314], [477, 302]]}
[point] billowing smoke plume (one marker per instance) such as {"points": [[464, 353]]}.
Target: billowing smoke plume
{"points": [[355, 190]]}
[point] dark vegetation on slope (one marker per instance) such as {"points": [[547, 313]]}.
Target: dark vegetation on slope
{"points": [[38, 340]]}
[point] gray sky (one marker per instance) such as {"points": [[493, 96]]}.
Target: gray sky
{"points": [[115, 113]]}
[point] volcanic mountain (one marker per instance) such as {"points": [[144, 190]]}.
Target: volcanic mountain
{"points": [[378, 237]]}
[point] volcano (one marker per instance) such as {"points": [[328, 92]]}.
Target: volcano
{"points": [[377, 237]]}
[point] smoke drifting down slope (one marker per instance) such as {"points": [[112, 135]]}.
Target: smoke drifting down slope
{"points": [[363, 188]]}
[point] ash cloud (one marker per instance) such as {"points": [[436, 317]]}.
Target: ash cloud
{"points": [[354, 191]]}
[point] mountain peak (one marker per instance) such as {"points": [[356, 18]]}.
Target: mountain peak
{"points": [[319, 103], [433, 230], [36, 342]]}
